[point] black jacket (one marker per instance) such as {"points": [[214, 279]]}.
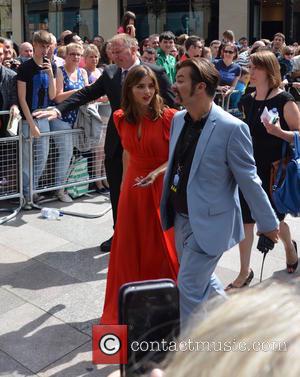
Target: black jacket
{"points": [[109, 84]]}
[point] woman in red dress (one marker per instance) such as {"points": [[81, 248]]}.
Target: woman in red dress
{"points": [[141, 250]]}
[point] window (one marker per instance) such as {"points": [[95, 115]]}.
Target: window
{"points": [[79, 16], [199, 17]]}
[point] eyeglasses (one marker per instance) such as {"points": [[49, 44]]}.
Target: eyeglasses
{"points": [[228, 52]]}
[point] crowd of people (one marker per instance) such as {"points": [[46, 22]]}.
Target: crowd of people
{"points": [[164, 120]]}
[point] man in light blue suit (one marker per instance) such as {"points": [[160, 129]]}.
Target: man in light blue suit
{"points": [[210, 156]]}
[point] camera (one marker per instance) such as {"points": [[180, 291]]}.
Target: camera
{"points": [[13, 63]]}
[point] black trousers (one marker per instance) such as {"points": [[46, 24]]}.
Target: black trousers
{"points": [[114, 171]]}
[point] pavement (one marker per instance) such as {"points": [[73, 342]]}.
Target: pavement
{"points": [[52, 289]]}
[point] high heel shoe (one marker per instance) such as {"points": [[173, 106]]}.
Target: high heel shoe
{"points": [[291, 268], [245, 283]]}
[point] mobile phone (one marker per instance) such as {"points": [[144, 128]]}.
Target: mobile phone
{"points": [[45, 60], [150, 309]]}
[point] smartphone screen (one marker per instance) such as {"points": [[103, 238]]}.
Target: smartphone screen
{"points": [[151, 312]]}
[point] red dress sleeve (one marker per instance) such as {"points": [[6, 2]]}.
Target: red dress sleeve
{"points": [[118, 116], [167, 120]]}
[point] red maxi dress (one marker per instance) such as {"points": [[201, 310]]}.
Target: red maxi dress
{"points": [[140, 250]]}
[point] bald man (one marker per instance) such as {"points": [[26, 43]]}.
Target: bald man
{"points": [[25, 51]]}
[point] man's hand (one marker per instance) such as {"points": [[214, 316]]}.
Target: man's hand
{"points": [[47, 67], [273, 235], [49, 114]]}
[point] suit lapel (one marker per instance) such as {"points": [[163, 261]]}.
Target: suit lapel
{"points": [[203, 140], [176, 131]]}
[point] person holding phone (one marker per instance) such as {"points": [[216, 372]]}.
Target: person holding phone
{"points": [[36, 83], [267, 144], [140, 248], [127, 25]]}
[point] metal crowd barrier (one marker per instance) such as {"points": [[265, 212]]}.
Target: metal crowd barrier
{"points": [[58, 160], [224, 102], [10, 173]]}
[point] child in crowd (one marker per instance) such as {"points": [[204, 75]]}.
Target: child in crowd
{"points": [[240, 88]]}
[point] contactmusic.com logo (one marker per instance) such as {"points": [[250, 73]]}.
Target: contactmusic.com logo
{"points": [[110, 344]]}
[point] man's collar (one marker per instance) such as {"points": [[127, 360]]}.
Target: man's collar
{"points": [[188, 119], [137, 62]]}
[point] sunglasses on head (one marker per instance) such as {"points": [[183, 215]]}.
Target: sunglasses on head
{"points": [[228, 52]]}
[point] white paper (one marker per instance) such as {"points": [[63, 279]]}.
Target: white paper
{"points": [[268, 116]]}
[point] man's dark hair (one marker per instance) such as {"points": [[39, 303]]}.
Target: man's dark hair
{"points": [[191, 41], [150, 50], [69, 38], [202, 71], [166, 35]]}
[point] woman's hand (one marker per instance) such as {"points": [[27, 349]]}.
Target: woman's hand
{"points": [[34, 130], [130, 29], [145, 181], [14, 110], [273, 128]]}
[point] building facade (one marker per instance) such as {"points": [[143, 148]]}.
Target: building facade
{"points": [[207, 18]]}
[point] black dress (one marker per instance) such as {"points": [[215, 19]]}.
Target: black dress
{"points": [[266, 147]]}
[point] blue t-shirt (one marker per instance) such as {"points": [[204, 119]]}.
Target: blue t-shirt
{"points": [[227, 73], [235, 97]]}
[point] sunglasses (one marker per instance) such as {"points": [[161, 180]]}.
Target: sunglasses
{"points": [[228, 52], [289, 53]]}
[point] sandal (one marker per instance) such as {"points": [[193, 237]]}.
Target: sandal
{"points": [[245, 283], [291, 268]]}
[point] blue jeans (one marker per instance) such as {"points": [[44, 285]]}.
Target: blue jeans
{"points": [[64, 144], [196, 279]]}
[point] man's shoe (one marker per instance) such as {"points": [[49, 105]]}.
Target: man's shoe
{"points": [[106, 245]]}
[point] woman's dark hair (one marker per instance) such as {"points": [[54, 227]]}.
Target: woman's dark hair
{"points": [[142, 45], [129, 106], [104, 59], [126, 18], [230, 44]]}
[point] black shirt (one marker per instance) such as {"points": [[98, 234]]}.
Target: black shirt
{"points": [[183, 158], [37, 84]]}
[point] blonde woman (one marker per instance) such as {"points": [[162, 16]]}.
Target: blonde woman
{"points": [[256, 333], [91, 57]]}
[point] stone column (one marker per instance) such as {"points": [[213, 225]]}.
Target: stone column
{"points": [[17, 21], [108, 13], [233, 15]]}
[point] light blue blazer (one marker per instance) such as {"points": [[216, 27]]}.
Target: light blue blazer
{"points": [[223, 161]]}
